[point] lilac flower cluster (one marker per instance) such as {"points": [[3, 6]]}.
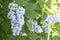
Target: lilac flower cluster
{"points": [[49, 19], [16, 16], [57, 17], [36, 27], [46, 23]]}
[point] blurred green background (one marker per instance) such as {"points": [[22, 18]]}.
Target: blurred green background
{"points": [[35, 9]]}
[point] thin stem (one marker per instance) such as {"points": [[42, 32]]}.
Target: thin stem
{"points": [[48, 34]]}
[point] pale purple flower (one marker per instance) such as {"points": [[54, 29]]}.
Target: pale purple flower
{"points": [[36, 28], [47, 22], [13, 6], [17, 19], [57, 17]]}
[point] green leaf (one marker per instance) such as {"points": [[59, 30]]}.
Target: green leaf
{"points": [[1, 19], [31, 14], [11, 37], [33, 1], [43, 16], [20, 2], [57, 25], [33, 36], [24, 38], [25, 29], [56, 29], [6, 26], [41, 2], [48, 11], [48, 3], [29, 25], [56, 38], [30, 6], [5, 5]]}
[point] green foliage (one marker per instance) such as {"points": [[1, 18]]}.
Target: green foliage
{"points": [[29, 25], [34, 9]]}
